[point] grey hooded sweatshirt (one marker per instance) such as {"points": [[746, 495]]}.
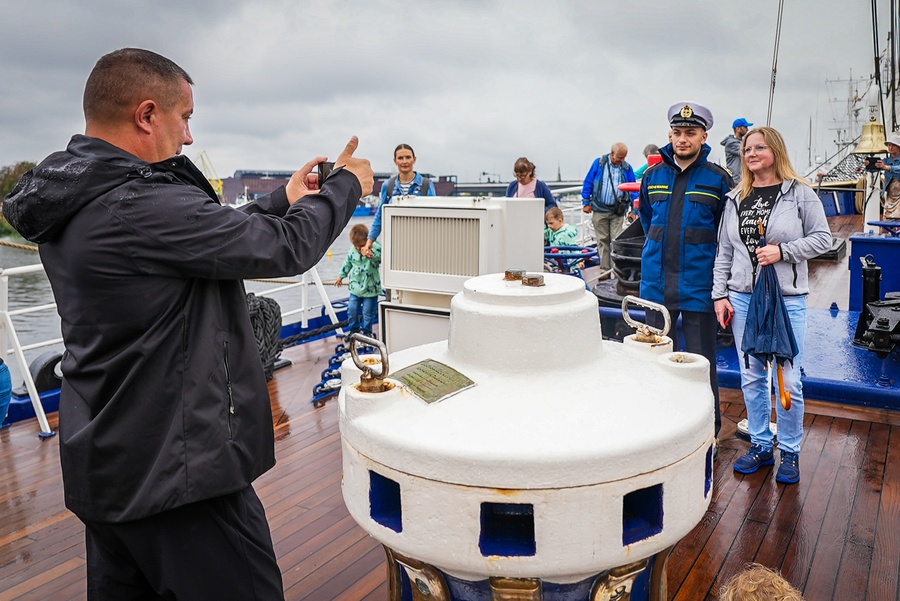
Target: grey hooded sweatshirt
{"points": [[797, 224]]}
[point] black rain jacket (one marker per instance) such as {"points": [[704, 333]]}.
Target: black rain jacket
{"points": [[164, 400]]}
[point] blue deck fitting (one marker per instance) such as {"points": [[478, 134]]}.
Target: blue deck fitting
{"points": [[833, 369]]}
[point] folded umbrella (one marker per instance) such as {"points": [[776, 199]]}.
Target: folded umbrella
{"points": [[768, 335]]}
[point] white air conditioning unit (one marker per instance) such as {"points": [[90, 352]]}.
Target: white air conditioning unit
{"points": [[432, 244]]}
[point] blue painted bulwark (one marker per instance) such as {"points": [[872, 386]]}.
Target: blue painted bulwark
{"points": [[20, 407], [886, 252], [642, 514], [384, 502], [833, 369], [5, 391], [507, 529]]}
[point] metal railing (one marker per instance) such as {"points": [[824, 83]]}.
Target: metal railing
{"points": [[10, 342], [8, 334]]}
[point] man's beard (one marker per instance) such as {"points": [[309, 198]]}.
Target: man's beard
{"points": [[687, 157]]}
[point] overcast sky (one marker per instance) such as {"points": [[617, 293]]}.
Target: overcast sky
{"points": [[470, 84]]}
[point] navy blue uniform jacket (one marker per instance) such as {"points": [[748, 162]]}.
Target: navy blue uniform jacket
{"points": [[680, 213]]}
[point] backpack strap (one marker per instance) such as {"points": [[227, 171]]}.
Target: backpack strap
{"points": [[391, 184]]}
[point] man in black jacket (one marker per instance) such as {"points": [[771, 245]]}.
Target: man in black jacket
{"points": [[165, 418]]}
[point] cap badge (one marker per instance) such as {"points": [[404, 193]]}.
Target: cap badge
{"points": [[687, 112]]}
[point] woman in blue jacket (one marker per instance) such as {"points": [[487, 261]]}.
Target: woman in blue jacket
{"points": [[527, 186], [406, 183]]}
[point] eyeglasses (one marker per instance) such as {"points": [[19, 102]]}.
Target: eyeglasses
{"points": [[759, 148]]}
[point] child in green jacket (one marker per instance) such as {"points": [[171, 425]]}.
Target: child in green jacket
{"points": [[558, 232], [364, 284]]}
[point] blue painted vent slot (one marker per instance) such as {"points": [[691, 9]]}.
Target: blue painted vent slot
{"points": [[709, 472], [384, 502], [507, 529], [642, 514]]}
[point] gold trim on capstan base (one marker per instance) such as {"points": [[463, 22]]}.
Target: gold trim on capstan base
{"points": [[516, 589], [426, 581], [658, 582], [616, 584]]}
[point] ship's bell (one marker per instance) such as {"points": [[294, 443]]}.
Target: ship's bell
{"points": [[871, 141]]}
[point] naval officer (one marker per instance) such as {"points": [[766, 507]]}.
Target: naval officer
{"points": [[681, 201]]}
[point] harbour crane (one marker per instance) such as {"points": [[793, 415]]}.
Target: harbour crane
{"points": [[209, 171]]}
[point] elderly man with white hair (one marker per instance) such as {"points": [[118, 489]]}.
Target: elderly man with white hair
{"points": [[607, 204]]}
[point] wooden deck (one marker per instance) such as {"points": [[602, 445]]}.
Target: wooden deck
{"points": [[835, 535]]}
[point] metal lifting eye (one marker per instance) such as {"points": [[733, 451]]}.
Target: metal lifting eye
{"points": [[646, 333], [369, 381]]}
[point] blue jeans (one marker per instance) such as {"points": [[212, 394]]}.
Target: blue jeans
{"points": [[756, 385], [361, 313]]}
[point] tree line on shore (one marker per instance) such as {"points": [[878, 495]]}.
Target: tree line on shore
{"points": [[9, 175]]}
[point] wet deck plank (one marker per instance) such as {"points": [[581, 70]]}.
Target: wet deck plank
{"points": [[835, 532]]}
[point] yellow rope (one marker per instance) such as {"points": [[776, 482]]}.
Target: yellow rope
{"points": [[19, 246], [288, 282]]}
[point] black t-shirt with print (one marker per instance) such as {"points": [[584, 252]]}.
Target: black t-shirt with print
{"points": [[753, 211]]}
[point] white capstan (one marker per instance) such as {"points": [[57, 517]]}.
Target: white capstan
{"points": [[595, 453]]}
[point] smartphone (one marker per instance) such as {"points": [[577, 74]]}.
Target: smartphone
{"points": [[325, 168]]}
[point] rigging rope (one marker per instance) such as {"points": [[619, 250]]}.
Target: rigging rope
{"points": [[289, 282], [775, 62], [19, 246], [877, 58], [893, 58]]}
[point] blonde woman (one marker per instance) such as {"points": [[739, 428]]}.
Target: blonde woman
{"points": [[773, 195]]}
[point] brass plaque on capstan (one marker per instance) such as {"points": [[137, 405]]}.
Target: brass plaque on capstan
{"points": [[432, 380]]}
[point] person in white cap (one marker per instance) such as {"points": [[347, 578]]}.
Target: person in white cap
{"points": [[682, 199], [891, 167]]}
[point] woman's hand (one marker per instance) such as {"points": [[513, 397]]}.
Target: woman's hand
{"points": [[724, 311], [768, 254]]}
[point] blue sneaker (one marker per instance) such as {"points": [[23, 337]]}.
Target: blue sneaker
{"points": [[757, 457], [789, 470]]}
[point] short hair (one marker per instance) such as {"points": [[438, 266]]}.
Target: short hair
{"points": [[523, 165], [401, 147], [650, 149], [124, 78], [553, 213], [358, 234], [617, 147], [758, 583], [783, 168]]}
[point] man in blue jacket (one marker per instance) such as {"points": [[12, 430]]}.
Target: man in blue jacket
{"points": [[602, 198], [681, 201]]}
